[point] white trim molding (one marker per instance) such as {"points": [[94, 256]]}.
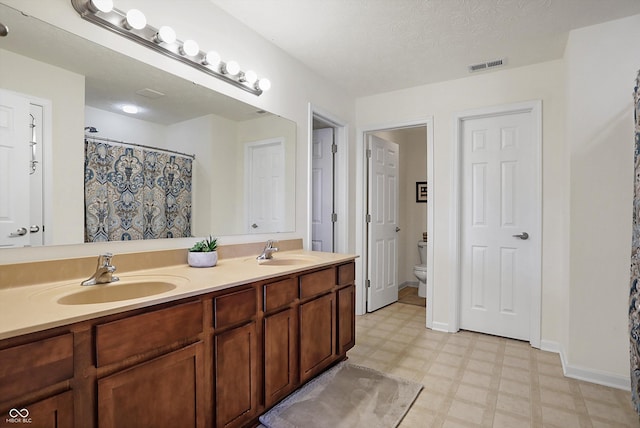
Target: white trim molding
{"points": [[535, 108], [586, 374]]}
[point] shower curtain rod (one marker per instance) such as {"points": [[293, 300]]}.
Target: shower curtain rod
{"points": [[140, 145]]}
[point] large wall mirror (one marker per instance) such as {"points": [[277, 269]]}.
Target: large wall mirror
{"points": [[76, 89]]}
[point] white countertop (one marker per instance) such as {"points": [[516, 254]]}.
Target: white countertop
{"points": [[27, 309]]}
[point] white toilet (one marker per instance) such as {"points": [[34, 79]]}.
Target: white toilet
{"points": [[420, 271]]}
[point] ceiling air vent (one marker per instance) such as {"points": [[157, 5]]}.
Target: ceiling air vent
{"points": [[486, 65]]}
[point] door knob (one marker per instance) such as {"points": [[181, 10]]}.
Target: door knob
{"points": [[20, 232], [524, 236], [255, 226], [397, 229], [34, 229]]}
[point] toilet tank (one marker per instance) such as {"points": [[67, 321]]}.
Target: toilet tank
{"points": [[422, 249]]}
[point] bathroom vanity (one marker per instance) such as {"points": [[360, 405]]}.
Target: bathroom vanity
{"points": [[219, 349]]}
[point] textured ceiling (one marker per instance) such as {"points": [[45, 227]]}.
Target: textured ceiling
{"points": [[372, 46]]}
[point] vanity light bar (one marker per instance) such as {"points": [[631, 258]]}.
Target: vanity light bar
{"points": [[133, 26]]}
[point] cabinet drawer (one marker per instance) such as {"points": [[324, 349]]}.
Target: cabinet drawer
{"points": [[31, 367], [137, 334], [233, 308], [279, 294], [316, 283], [346, 274]]}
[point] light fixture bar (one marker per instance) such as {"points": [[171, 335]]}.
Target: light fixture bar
{"points": [[116, 20]]}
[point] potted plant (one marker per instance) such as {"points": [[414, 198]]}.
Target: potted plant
{"points": [[203, 253]]}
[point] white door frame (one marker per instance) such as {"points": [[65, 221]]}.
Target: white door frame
{"points": [[361, 204], [535, 108], [341, 196]]}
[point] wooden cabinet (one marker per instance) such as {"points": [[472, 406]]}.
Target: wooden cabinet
{"points": [[317, 335], [166, 391], [346, 319], [235, 358], [151, 358], [280, 339], [219, 359], [35, 382]]}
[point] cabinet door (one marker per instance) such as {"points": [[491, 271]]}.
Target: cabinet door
{"points": [[346, 319], [165, 392], [52, 412], [317, 335], [236, 375], [280, 355]]}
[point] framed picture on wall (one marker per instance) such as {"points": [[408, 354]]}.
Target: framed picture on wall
{"points": [[421, 191]]}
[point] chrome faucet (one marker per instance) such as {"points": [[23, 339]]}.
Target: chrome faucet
{"points": [[104, 271], [268, 251]]}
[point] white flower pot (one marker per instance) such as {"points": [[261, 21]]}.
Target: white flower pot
{"points": [[202, 259]]}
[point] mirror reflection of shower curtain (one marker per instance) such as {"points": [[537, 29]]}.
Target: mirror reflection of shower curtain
{"points": [[634, 295], [135, 193]]}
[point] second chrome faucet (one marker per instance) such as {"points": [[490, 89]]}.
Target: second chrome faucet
{"points": [[267, 252]]}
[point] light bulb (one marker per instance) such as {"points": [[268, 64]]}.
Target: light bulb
{"points": [[105, 6], [250, 77], [264, 84], [190, 48], [136, 19], [165, 34], [212, 58], [232, 68], [131, 109]]}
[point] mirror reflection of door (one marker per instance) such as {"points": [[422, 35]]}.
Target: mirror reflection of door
{"points": [[322, 206], [264, 183], [21, 166]]}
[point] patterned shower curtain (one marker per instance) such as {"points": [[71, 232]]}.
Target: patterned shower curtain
{"points": [[634, 297], [135, 193]]}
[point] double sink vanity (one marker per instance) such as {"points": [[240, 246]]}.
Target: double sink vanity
{"points": [[169, 345]]}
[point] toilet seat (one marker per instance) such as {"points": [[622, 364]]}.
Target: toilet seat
{"points": [[420, 268]]}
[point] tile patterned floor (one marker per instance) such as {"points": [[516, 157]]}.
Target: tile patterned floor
{"points": [[409, 295], [476, 380]]}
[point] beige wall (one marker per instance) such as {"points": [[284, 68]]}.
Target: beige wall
{"points": [[602, 63]]}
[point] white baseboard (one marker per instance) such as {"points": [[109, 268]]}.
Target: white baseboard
{"points": [[586, 374], [440, 326], [408, 284]]}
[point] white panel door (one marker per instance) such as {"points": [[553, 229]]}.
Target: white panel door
{"points": [[322, 190], [265, 186], [14, 170], [383, 228], [498, 202]]}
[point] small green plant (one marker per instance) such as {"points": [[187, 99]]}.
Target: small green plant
{"points": [[205, 246]]}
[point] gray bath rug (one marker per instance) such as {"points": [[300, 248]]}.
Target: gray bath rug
{"points": [[346, 396]]}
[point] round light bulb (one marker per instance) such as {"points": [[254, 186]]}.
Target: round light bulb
{"points": [[211, 58], [165, 34], [131, 109], [190, 48], [105, 6], [232, 68], [136, 19], [264, 84], [250, 77]]}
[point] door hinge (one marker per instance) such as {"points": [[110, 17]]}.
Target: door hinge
{"points": [[368, 218], [368, 283], [334, 217], [334, 148], [369, 153]]}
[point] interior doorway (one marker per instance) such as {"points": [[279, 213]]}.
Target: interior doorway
{"points": [[328, 203], [415, 218]]}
